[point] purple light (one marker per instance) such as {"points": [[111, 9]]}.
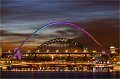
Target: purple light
{"points": [[84, 32], [71, 24], [17, 54]]}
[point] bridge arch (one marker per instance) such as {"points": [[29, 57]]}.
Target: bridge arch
{"points": [[67, 56], [54, 23], [60, 40]]}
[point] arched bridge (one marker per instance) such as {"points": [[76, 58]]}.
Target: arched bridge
{"points": [[61, 49], [60, 53], [54, 23], [61, 43]]}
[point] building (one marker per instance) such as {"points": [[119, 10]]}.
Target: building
{"points": [[113, 50]]}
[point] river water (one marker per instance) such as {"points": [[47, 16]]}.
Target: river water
{"points": [[58, 75]]}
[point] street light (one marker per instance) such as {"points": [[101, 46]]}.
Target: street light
{"points": [[47, 51], [52, 57], [76, 51], [28, 51], [94, 51], [66, 51], [57, 51], [9, 51], [38, 51]]}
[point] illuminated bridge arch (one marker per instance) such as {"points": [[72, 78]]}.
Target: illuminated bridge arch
{"points": [[60, 40], [62, 55], [55, 23]]}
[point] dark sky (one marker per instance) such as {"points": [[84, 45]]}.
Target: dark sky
{"points": [[19, 18]]}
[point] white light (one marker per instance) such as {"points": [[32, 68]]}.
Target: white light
{"points": [[108, 62], [57, 51], [112, 47], [38, 51], [47, 51]]}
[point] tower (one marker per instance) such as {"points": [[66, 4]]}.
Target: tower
{"points": [[18, 54]]}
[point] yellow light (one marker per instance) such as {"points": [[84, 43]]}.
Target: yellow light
{"points": [[9, 51], [94, 51], [47, 51], [27, 55], [4, 67], [113, 52], [28, 51], [52, 57], [66, 51], [85, 51], [114, 58], [38, 51], [76, 51]]}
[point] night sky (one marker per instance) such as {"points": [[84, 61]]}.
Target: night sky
{"points": [[20, 18]]}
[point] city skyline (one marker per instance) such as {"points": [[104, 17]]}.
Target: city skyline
{"points": [[74, 39]]}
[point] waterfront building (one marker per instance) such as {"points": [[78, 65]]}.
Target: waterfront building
{"points": [[113, 50]]}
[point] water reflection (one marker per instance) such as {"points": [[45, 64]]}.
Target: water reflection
{"points": [[59, 74]]}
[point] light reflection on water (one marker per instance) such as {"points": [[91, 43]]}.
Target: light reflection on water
{"points": [[53, 74]]}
